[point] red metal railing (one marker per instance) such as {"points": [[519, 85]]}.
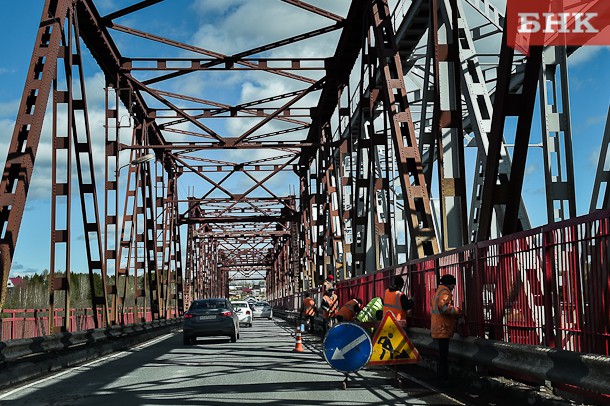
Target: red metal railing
{"points": [[29, 323], [548, 286]]}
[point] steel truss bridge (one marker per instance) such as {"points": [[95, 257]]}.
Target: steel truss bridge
{"points": [[372, 128]]}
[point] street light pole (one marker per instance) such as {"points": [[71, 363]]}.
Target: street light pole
{"points": [[137, 161]]}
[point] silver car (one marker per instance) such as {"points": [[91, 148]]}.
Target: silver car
{"points": [[210, 317], [262, 309]]}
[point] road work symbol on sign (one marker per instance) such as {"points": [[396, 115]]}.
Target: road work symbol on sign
{"points": [[391, 344]]}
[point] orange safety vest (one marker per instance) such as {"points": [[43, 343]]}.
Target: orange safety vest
{"points": [[332, 304], [391, 303], [348, 311], [309, 307], [443, 313]]}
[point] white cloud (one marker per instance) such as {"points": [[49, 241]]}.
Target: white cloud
{"points": [[204, 7], [531, 169], [9, 109], [594, 157], [593, 120]]}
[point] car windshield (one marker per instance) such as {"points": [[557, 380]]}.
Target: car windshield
{"points": [[261, 304], [240, 304], [209, 304]]}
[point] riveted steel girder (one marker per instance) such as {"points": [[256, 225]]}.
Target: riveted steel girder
{"points": [[363, 142]]}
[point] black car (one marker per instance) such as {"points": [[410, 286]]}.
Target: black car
{"points": [[210, 317]]}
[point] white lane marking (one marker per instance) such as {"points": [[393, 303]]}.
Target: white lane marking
{"points": [[83, 366]]}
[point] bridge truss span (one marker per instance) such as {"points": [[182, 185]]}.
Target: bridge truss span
{"points": [[357, 137]]}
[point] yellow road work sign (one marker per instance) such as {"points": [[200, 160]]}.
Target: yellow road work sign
{"points": [[391, 344]]}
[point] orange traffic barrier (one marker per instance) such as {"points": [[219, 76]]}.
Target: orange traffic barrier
{"points": [[299, 345]]}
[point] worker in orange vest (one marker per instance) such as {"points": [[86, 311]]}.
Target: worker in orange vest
{"points": [[396, 301], [308, 311], [330, 306], [443, 322], [348, 311]]}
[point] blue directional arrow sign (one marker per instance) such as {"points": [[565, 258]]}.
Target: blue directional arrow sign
{"points": [[347, 347]]}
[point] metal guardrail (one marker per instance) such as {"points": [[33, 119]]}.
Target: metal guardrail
{"points": [[585, 371], [26, 358]]}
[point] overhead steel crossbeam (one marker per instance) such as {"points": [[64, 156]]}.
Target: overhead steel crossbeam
{"points": [[372, 129], [183, 116]]}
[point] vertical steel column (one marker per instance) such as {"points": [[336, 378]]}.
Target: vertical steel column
{"points": [[325, 231], [80, 141], [165, 243], [361, 183], [208, 278], [379, 208], [189, 272], [295, 272], [520, 105], [335, 210], [310, 232], [127, 249], [88, 189], [602, 175], [111, 198], [346, 185], [21, 154], [396, 106], [480, 109], [61, 194], [321, 212], [557, 135], [362, 193], [162, 237], [447, 126], [305, 230], [427, 140], [334, 231], [149, 241], [201, 273], [178, 267]]}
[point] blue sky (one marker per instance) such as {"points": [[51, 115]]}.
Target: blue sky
{"points": [[203, 22]]}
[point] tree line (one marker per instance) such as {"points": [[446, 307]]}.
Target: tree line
{"points": [[33, 292]]}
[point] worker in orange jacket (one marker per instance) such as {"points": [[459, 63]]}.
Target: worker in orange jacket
{"points": [[308, 311], [348, 311], [396, 301], [330, 306], [443, 322]]}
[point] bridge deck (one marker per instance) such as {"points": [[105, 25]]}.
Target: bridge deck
{"points": [[261, 368]]}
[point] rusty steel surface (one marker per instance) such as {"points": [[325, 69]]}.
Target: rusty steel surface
{"points": [[277, 160]]}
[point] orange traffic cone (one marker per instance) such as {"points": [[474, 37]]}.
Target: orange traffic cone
{"points": [[299, 345]]}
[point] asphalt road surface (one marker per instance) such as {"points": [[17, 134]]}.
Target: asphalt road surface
{"points": [[260, 369]]}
